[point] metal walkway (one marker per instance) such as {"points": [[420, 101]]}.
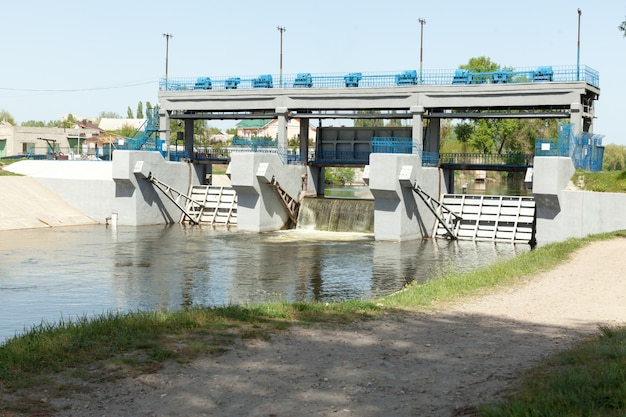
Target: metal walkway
{"points": [[493, 218]]}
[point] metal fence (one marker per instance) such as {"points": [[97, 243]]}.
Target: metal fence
{"points": [[564, 73], [585, 149]]}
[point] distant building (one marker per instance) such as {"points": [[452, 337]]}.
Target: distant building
{"points": [[110, 124], [220, 137], [269, 128], [26, 141]]}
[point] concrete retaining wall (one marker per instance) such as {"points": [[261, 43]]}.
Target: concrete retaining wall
{"points": [[564, 213], [85, 185], [27, 204]]}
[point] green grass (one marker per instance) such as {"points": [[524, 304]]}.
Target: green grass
{"points": [[452, 286], [588, 380], [6, 162], [604, 181], [157, 336]]}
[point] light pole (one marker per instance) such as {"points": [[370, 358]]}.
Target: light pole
{"points": [[422, 23], [281, 29], [578, 58], [167, 47]]}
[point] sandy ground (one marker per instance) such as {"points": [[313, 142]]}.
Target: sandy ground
{"points": [[441, 363]]}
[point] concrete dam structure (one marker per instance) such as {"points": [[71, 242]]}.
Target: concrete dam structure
{"points": [[141, 187]]}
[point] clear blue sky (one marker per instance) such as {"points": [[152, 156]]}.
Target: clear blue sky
{"points": [[109, 55]]}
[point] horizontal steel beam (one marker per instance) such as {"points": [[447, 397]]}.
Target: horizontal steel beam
{"points": [[384, 116]]}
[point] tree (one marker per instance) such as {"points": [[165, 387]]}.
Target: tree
{"points": [[109, 115], [127, 130], [463, 132], [5, 116], [69, 121], [614, 158], [129, 113], [140, 110], [34, 123], [480, 64], [622, 27], [368, 122], [483, 135]]}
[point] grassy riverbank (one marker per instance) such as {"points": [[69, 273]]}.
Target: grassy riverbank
{"points": [[112, 346]]}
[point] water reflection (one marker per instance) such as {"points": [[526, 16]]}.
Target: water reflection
{"points": [[48, 274]]}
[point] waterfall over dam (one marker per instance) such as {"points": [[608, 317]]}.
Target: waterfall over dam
{"points": [[336, 215]]}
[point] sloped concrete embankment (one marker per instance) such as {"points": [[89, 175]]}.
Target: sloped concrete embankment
{"points": [[26, 203]]}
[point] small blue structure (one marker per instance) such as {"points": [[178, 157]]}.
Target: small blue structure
{"points": [[407, 78], [502, 76], [352, 79], [203, 83], [462, 76], [263, 81], [543, 74], [303, 79], [231, 83]]}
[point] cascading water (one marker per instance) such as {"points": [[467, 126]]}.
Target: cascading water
{"points": [[336, 215]]}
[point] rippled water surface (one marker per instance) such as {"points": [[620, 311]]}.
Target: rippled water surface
{"points": [[49, 274]]}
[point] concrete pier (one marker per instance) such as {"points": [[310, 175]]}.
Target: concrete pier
{"points": [[399, 214]]}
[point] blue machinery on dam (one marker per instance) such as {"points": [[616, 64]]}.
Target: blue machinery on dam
{"points": [[394, 178]]}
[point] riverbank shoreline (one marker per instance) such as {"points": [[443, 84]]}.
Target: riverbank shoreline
{"points": [[443, 361]]}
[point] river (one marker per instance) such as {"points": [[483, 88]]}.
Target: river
{"points": [[62, 273]]}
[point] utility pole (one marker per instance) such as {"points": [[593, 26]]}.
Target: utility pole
{"points": [[578, 58], [281, 29], [422, 23], [167, 47]]}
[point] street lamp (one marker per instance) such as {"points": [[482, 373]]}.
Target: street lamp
{"points": [[422, 23], [281, 29], [167, 47], [578, 58]]}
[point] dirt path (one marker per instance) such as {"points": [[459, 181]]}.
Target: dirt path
{"points": [[436, 364]]}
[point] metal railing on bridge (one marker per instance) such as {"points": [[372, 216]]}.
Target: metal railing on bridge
{"points": [[477, 160], [565, 73], [474, 160]]}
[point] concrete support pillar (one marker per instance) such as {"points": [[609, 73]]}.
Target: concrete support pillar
{"points": [[418, 126], [137, 201], [304, 141], [259, 205], [433, 133], [282, 114], [551, 175], [189, 137], [576, 118], [165, 130]]}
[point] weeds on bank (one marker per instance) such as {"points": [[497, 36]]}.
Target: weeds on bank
{"points": [[158, 335], [453, 286], [588, 380], [602, 181]]}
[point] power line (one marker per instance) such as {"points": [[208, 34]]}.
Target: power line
{"points": [[73, 90]]}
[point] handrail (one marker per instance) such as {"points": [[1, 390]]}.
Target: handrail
{"points": [[400, 79]]}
